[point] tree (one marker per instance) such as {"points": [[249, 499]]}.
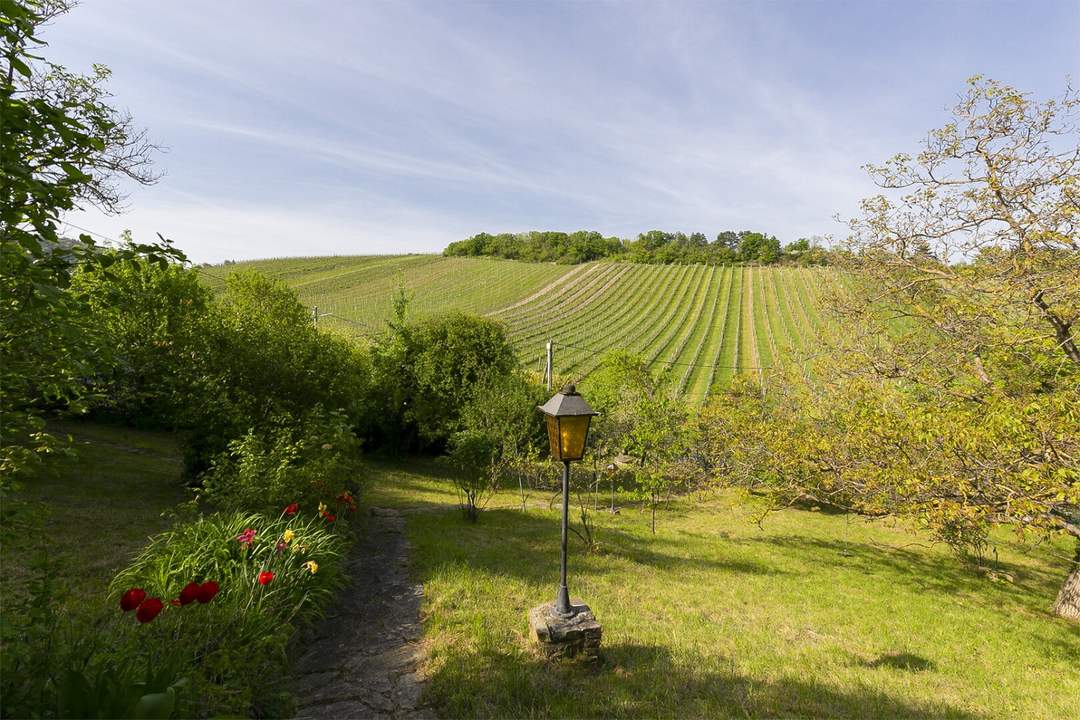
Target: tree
{"points": [[640, 418], [61, 146], [154, 319], [963, 391], [427, 371], [501, 432]]}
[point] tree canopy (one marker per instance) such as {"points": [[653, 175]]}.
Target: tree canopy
{"points": [[654, 246]]}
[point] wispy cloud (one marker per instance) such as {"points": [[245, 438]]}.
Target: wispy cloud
{"points": [[300, 127]]}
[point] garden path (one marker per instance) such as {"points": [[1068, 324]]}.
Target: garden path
{"points": [[362, 660]]}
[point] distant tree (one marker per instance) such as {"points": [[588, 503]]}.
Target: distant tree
{"points": [[799, 246], [728, 239]]}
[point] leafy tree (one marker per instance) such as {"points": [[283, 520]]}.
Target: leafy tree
{"points": [[61, 146], [426, 372], [501, 419], [265, 358], [154, 319], [641, 419], [959, 403]]}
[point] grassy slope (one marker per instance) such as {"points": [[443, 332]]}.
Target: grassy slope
{"points": [[810, 615], [664, 313], [97, 510]]}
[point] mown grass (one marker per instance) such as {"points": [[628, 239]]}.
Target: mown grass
{"points": [[810, 615], [93, 512]]}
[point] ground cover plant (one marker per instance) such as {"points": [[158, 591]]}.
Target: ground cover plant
{"points": [[810, 614]]}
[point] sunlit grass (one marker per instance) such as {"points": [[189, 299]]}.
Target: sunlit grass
{"points": [[809, 615]]}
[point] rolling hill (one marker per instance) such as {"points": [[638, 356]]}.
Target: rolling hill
{"points": [[705, 324]]}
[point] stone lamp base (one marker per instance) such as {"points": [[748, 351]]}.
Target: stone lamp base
{"points": [[559, 637]]}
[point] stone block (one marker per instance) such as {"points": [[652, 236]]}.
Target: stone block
{"points": [[569, 637]]}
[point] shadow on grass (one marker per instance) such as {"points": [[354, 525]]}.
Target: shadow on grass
{"points": [[901, 661], [645, 681], [525, 545], [920, 570]]}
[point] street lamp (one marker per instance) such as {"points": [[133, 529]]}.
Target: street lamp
{"points": [[568, 417]]}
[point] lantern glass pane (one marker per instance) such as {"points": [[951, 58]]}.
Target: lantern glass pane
{"points": [[553, 436], [572, 432]]}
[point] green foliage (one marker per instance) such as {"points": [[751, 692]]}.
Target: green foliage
{"points": [[154, 318], [265, 360], [654, 246], [208, 549], [501, 437], [641, 419], [235, 646], [577, 247], [291, 460], [61, 145], [426, 372], [61, 665]]}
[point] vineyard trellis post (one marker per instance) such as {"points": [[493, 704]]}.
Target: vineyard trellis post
{"points": [[550, 351], [315, 315]]}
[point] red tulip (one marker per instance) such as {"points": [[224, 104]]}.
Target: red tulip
{"points": [[189, 594], [131, 599], [265, 577], [291, 509], [207, 591], [330, 517], [148, 609]]}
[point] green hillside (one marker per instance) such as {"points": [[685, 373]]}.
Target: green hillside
{"points": [[705, 323]]}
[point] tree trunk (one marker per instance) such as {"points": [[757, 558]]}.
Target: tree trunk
{"points": [[1068, 600]]}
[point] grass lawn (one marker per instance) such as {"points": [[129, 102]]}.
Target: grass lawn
{"points": [[93, 512], [811, 615]]}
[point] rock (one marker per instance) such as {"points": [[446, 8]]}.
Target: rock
{"points": [[559, 637]]}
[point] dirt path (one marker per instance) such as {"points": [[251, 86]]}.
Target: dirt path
{"points": [[361, 660]]}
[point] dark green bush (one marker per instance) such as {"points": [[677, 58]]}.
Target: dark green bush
{"points": [[426, 372], [305, 459]]}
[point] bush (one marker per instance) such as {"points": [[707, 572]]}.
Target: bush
{"points": [[153, 316], [428, 370], [291, 461], [267, 360]]}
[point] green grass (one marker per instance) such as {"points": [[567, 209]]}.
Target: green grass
{"points": [[94, 512], [810, 615], [686, 318]]}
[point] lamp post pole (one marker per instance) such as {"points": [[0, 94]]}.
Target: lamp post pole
{"points": [[562, 600]]}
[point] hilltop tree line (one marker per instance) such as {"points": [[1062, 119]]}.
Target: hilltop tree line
{"points": [[654, 247]]}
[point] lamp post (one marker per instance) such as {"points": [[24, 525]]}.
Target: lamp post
{"points": [[568, 417]]}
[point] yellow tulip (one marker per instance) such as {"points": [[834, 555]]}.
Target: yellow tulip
{"points": [[288, 536], [312, 566]]}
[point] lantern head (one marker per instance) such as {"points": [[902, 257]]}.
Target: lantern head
{"points": [[568, 417]]}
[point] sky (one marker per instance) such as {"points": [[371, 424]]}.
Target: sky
{"points": [[317, 128]]}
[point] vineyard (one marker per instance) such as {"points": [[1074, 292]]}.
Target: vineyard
{"points": [[702, 324]]}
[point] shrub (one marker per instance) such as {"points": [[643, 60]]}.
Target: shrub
{"points": [[153, 317], [289, 461], [428, 371], [266, 360]]}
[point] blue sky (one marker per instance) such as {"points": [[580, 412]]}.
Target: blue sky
{"points": [[304, 128]]}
